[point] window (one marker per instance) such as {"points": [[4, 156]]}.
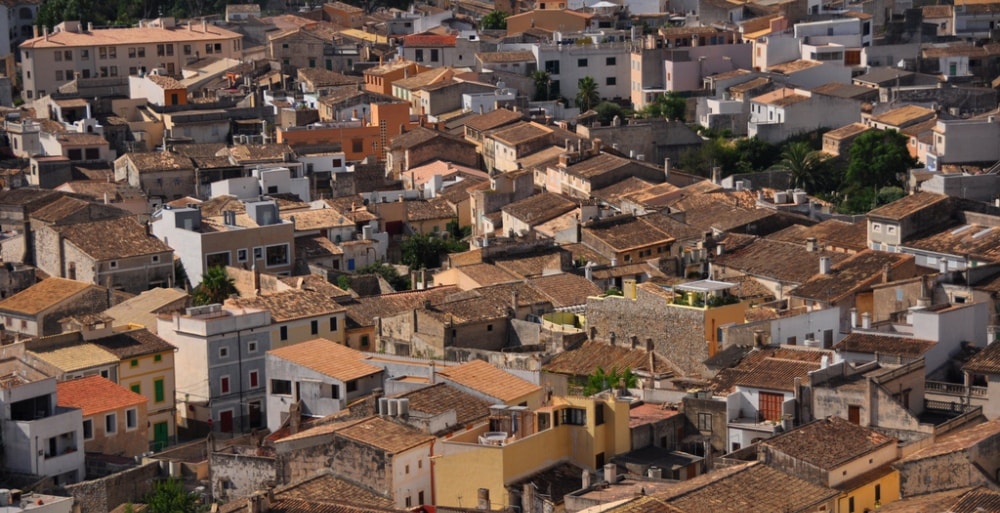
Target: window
{"points": [[110, 423], [610, 61], [407, 470], [409, 502], [334, 391], [158, 358], [88, 429], [187, 49], [131, 419], [218, 48], [134, 362], [357, 145], [878, 493], [208, 48], [890, 229], [705, 422], [113, 264], [313, 327], [850, 505], [364, 341], [59, 73], [876, 227], [254, 379], [155, 259], [258, 253], [223, 352], [434, 55], [277, 255], [131, 52], [419, 56], [333, 324], [158, 395], [281, 387], [352, 386], [611, 81], [142, 51], [224, 384], [252, 347], [58, 56], [112, 52], [770, 406], [581, 63], [113, 71], [136, 387], [489, 327], [574, 416], [552, 67], [241, 255], [284, 332], [598, 414], [420, 496]]}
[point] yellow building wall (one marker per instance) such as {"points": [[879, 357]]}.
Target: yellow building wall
{"points": [[300, 330], [457, 477], [144, 374], [354, 338], [864, 496], [720, 315]]}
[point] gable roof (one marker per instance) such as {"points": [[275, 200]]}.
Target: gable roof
{"points": [[384, 434], [565, 289], [489, 380], [750, 487], [142, 309], [958, 440], [871, 343], [429, 41], [65, 207], [132, 343], [442, 397], [95, 394], [328, 358], [113, 239], [43, 295], [291, 304], [986, 361], [584, 360], [776, 260], [538, 208], [71, 356], [828, 443], [855, 273], [907, 205], [364, 310], [776, 374]]}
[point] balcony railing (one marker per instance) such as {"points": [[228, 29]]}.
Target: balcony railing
{"points": [[954, 389]]}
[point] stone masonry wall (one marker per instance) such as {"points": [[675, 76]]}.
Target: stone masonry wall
{"points": [[107, 493], [235, 476]]}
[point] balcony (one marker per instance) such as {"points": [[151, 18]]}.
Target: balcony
{"points": [[954, 389]]}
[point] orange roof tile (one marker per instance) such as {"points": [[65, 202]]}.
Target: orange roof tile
{"points": [[122, 36], [489, 380], [329, 358], [95, 394]]}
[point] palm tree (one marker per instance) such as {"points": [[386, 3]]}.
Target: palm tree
{"points": [[587, 96], [804, 164], [543, 85], [215, 287]]}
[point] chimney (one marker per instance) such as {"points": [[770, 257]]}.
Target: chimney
{"points": [[866, 321], [716, 175], [854, 317], [586, 479], [45, 31], [614, 262], [811, 244], [720, 248], [34, 29], [666, 168], [588, 272], [432, 375], [597, 146], [483, 496], [758, 338], [513, 302], [204, 25], [90, 26], [885, 273], [611, 473], [294, 418], [824, 265], [528, 498]]}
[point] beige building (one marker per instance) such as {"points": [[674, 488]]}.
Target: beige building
{"points": [[72, 49], [114, 419], [298, 316]]}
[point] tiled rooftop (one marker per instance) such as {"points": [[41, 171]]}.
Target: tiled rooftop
{"points": [[539, 208], [122, 36], [442, 397], [565, 289], [328, 358], [489, 380], [292, 304], [73, 356], [828, 443], [776, 374], [871, 343], [986, 361], [385, 434], [95, 394], [855, 273], [908, 205], [774, 260], [585, 359], [43, 295], [113, 239], [959, 440], [132, 343]]}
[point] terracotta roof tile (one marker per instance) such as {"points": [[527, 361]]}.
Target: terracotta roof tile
{"points": [[66, 207], [585, 359], [328, 358], [959, 440], [776, 260], [364, 310], [489, 380], [429, 210], [828, 443], [628, 232], [292, 304], [565, 289], [385, 434], [511, 56], [539, 208], [429, 41], [908, 205], [871, 343], [325, 487], [43, 295], [95, 394], [113, 239], [852, 274], [132, 343], [71, 356], [442, 397], [776, 374], [121, 36]]}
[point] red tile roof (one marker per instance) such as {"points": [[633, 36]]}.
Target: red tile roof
{"points": [[429, 41], [95, 394]]}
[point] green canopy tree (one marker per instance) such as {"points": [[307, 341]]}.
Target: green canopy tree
{"points": [[215, 287], [587, 96], [878, 159], [170, 497], [545, 90], [496, 20], [670, 105], [424, 250]]}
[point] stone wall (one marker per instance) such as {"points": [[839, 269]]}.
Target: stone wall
{"points": [[678, 333], [362, 464], [107, 493], [235, 475], [93, 300], [693, 406], [937, 474]]}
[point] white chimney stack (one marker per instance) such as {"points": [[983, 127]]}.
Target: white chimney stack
{"points": [[824, 265]]}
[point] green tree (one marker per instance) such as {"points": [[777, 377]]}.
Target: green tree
{"points": [[714, 152], [424, 250], [606, 112], [878, 159], [602, 380], [670, 106], [215, 287], [545, 89], [754, 154], [804, 164], [170, 497], [587, 96], [387, 272], [496, 20]]}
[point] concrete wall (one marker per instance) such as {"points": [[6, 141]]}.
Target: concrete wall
{"points": [[107, 493], [693, 407], [940, 473]]}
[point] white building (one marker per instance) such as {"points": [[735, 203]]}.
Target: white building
{"points": [[278, 180], [39, 437], [321, 375], [780, 114], [606, 62]]}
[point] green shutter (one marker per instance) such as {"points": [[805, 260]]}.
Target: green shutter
{"points": [[158, 390]]}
